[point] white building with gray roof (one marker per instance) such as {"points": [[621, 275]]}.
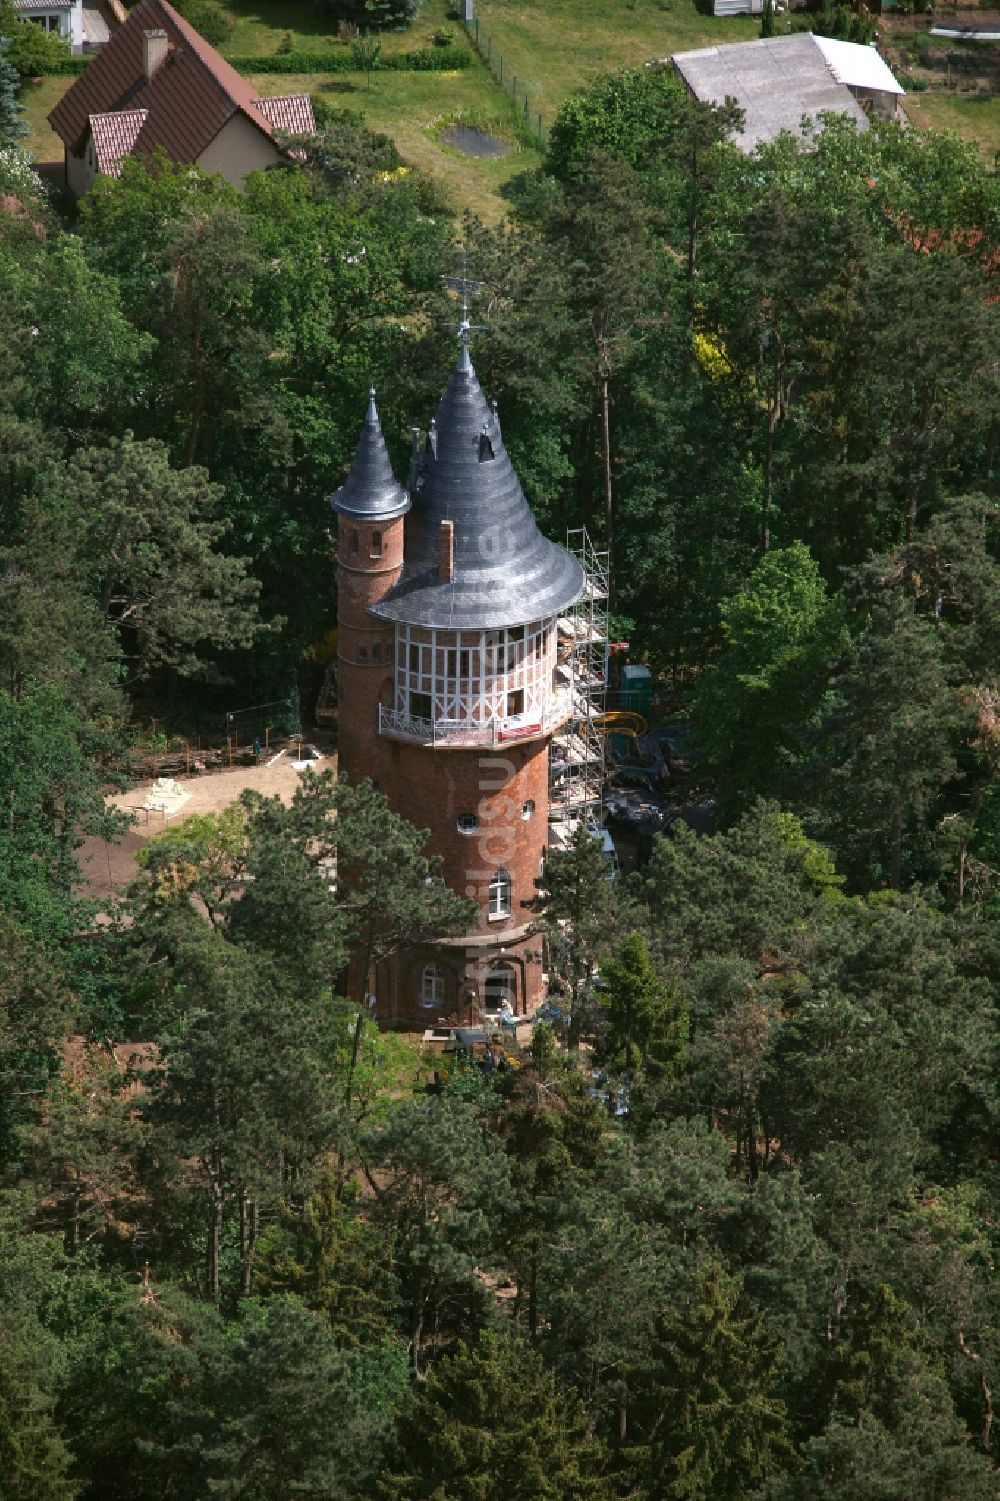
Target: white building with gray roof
{"points": [[783, 81]]}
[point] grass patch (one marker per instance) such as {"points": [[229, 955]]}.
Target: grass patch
{"points": [[259, 25], [410, 107], [38, 99], [556, 46], [975, 117]]}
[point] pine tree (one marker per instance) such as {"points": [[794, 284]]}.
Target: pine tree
{"points": [[645, 1024], [12, 126], [490, 1424], [710, 1419], [576, 906]]}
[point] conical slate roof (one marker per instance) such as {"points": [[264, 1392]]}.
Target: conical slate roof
{"points": [[505, 572], [370, 491]]}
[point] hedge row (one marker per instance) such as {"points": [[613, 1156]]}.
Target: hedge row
{"points": [[423, 60], [66, 66]]}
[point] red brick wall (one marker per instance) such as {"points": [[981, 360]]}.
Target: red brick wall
{"points": [[433, 787], [362, 580]]}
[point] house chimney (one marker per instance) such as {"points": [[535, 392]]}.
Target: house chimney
{"points": [[154, 51], [446, 552]]}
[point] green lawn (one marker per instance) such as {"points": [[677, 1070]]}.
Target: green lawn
{"points": [[259, 25], [409, 107], [976, 117], [38, 99], [556, 46]]}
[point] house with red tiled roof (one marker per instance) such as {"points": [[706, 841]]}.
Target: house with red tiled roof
{"points": [[158, 85]]}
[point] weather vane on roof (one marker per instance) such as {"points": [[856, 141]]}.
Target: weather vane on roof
{"points": [[466, 287]]}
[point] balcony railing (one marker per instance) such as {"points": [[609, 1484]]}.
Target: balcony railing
{"points": [[396, 722]]}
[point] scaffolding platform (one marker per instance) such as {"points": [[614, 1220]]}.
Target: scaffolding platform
{"points": [[576, 757]]}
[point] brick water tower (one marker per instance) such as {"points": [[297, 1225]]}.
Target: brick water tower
{"points": [[448, 607]]}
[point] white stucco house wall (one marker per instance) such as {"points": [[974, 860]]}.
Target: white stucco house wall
{"points": [[64, 16]]}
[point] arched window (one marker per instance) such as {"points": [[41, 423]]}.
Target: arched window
{"points": [[355, 541], [375, 550], [467, 823], [527, 809], [431, 986], [500, 894]]}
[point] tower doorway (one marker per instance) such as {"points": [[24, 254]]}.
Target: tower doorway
{"points": [[501, 986]]}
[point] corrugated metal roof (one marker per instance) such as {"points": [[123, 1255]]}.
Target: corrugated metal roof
{"points": [[189, 99], [505, 572], [859, 67], [114, 136], [289, 112], [776, 81]]}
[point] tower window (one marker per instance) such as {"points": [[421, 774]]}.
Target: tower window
{"points": [[376, 652], [420, 705], [467, 823], [499, 896], [414, 658], [362, 654], [515, 703], [375, 550], [527, 809], [431, 986], [355, 542]]}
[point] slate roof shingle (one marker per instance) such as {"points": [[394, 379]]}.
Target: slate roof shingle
{"points": [[506, 573]]}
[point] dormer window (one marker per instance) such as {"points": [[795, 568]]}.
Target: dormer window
{"points": [[485, 447]]}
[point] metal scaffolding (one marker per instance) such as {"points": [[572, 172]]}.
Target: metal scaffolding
{"points": [[576, 756]]}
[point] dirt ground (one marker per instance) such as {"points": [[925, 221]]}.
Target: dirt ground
{"points": [[108, 868]]}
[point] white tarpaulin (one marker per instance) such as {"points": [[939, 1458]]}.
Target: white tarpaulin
{"points": [[166, 796]]}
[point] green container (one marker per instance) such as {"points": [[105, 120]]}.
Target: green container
{"points": [[636, 689]]}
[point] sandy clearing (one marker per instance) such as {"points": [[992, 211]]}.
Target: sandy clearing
{"points": [[108, 868]]}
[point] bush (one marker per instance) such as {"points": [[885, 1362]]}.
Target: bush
{"points": [[208, 19], [444, 36], [287, 43], [32, 51], [374, 15], [431, 60]]}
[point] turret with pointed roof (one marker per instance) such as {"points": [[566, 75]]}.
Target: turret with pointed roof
{"points": [[505, 572], [371, 492]]}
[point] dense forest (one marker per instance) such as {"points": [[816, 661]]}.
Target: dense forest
{"points": [[731, 1233]]}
